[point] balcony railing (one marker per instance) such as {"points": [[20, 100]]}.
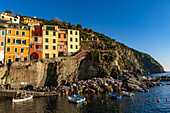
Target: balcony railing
{"points": [[38, 49]]}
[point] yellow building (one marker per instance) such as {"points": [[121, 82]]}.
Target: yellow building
{"points": [[17, 43], [73, 41], [50, 40]]}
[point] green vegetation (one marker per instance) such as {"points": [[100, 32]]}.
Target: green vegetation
{"points": [[95, 56]]}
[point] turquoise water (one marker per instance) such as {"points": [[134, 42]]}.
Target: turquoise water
{"points": [[109, 105]]}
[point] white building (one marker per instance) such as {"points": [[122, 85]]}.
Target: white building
{"points": [[11, 17]]}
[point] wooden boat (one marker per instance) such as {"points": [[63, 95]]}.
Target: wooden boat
{"points": [[127, 93], [113, 95], [22, 98], [74, 100], [81, 97]]}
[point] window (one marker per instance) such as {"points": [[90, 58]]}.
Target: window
{"points": [[65, 43], [10, 19], [54, 41], [3, 33], [23, 33], [36, 39], [30, 46], [8, 40], [71, 46], [71, 39], [16, 49], [23, 41], [54, 47], [60, 47], [50, 28], [53, 55], [22, 50], [8, 49], [54, 33], [46, 32], [18, 41], [76, 46], [14, 41], [2, 16], [15, 19], [64, 35], [46, 46], [71, 32], [9, 31], [76, 32], [2, 43], [46, 40], [36, 47], [17, 32], [59, 35], [76, 39]]}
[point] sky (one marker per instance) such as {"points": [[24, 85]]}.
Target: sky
{"points": [[140, 24]]}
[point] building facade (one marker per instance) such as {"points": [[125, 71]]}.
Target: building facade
{"points": [[62, 42], [11, 17], [36, 43], [50, 41], [73, 41], [31, 21], [17, 43], [2, 45]]}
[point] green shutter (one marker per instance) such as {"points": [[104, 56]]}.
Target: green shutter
{"points": [[46, 47], [54, 33], [54, 41], [23, 33], [8, 49], [16, 50], [22, 50], [46, 32], [2, 43], [14, 41], [3, 33], [8, 40], [64, 35], [54, 47]]}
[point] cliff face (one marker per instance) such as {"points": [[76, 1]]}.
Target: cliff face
{"points": [[137, 62], [85, 65]]}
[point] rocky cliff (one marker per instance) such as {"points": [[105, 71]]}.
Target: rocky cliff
{"points": [[137, 62]]}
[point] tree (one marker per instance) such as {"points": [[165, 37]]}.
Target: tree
{"points": [[8, 11], [79, 26], [86, 29], [90, 30]]}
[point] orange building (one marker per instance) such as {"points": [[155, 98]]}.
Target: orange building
{"points": [[62, 42], [2, 44], [17, 43]]}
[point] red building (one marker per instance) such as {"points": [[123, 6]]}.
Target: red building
{"points": [[36, 43]]}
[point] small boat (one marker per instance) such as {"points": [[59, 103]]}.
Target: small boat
{"points": [[140, 89], [81, 97], [74, 100], [127, 93], [113, 95], [22, 98]]}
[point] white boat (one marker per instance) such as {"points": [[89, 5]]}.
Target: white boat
{"points": [[74, 99], [22, 98], [127, 93]]}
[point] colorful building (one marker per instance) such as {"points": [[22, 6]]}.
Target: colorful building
{"points": [[11, 17], [62, 42], [73, 41], [50, 41], [2, 44], [36, 43], [31, 21], [17, 43]]}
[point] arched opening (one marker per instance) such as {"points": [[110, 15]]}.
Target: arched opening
{"points": [[34, 56]]}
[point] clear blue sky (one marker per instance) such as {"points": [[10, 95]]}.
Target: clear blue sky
{"points": [[141, 24]]}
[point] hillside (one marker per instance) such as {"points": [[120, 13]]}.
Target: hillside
{"points": [[130, 59]]}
